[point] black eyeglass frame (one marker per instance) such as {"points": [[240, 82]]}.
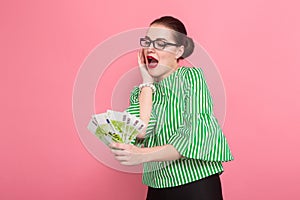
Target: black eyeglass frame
{"points": [[153, 41]]}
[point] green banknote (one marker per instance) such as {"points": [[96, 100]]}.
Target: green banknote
{"points": [[115, 126]]}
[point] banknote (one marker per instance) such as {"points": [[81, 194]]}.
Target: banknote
{"points": [[115, 126], [107, 128], [97, 131], [118, 120], [137, 126]]}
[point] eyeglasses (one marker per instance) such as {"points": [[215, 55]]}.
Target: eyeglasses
{"points": [[157, 44]]}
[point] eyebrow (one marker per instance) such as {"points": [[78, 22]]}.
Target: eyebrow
{"points": [[156, 38]]}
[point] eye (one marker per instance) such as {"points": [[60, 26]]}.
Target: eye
{"points": [[145, 42], [160, 43]]}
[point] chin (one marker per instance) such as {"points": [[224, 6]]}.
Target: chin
{"points": [[152, 72]]}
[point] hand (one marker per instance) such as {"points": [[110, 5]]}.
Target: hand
{"points": [[128, 154], [147, 78]]}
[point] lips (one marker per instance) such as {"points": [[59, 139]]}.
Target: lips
{"points": [[152, 62]]}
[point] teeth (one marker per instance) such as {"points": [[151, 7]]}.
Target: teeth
{"points": [[150, 58]]}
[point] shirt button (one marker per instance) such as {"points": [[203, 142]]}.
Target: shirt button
{"points": [[163, 164]]}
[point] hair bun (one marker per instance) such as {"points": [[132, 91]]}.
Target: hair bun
{"points": [[188, 47]]}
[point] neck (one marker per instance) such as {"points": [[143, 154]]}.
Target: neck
{"points": [[157, 79]]}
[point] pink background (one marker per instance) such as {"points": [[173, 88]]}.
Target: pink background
{"points": [[255, 45]]}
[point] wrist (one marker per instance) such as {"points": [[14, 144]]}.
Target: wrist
{"points": [[150, 153], [146, 155], [148, 84]]}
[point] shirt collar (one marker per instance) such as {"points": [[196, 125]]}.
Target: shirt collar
{"points": [[169, 80]]}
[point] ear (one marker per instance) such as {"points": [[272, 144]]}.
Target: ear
{"points": [[180, 51]]}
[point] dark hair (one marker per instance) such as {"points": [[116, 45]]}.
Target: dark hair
{"points": [[181, 39]]}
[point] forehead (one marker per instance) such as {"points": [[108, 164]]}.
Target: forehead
{"points": [[160, 31]]}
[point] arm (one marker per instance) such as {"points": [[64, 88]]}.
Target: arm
{"points": [[162, 153], [145, 99], [131, 155], [200, 136]]}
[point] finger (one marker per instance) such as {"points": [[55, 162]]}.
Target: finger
{"points": [[141, 59], [116, 152], [139, 55], [120, 152], [123, 146], [128, 163], [119, 146], [143, 55], [122, 158], [113, 145], [125, 163]]}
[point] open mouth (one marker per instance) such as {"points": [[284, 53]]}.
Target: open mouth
{"points": [[152, 62]]}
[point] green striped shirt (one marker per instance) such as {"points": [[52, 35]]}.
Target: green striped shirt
{"points": [[182, 115]]}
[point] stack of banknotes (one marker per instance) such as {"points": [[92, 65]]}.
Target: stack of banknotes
{"points": [[114, 126]]}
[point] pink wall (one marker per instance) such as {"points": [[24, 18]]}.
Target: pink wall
{"points": [[255, 45]]}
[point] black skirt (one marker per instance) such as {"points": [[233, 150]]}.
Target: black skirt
{"points": [[208, 188]]}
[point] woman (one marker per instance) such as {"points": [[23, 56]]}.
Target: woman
{"points": [[184, 146]]}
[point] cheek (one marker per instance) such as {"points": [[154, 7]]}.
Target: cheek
{"points": [[166, 57]]}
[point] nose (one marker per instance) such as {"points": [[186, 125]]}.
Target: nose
{"points": [[151, 48], [150, 51]]}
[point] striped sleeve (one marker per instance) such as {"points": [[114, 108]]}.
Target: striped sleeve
{"points": [[200, 136], [134, 109]]}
